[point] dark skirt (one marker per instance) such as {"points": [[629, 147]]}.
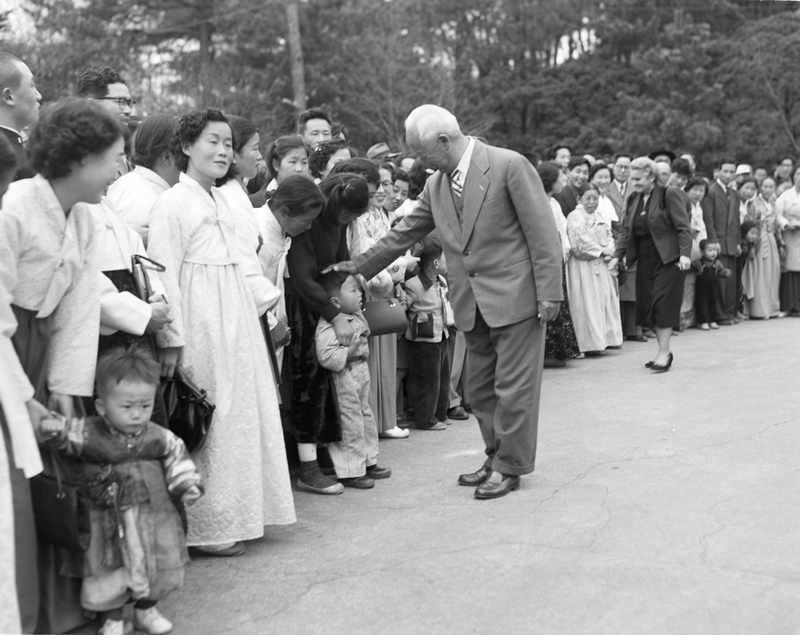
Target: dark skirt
{"points": [[309, 410], [659, 288], [560, 341], [790, 291], [56, 572], [123, 281]]}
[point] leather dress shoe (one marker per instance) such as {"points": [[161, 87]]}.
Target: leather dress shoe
{"points": [[376, 471], [475, 478], [663, 368], [489, 489], [361, 482], [458, 413]]}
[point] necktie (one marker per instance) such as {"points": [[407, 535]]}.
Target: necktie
{"points": [[455, 183]]}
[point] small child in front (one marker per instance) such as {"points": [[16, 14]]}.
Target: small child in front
{"points": [[707, 291], [355, 457], [131, 471], [428, 321]]}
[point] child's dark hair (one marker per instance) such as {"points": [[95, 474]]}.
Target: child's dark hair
{"points": [[702, 244], [332, 281], [126, 364], [431, 250], [746, 227]]}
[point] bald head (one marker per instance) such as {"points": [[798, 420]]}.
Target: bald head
{"points": [[434, 134]]}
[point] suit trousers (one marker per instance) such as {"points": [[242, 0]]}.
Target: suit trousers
{"points": [[505, 385], [726, 308]]}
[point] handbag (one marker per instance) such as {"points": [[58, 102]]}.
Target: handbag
{"points": [[189, 410], [385, 316], [139, 266], [59, 509]]}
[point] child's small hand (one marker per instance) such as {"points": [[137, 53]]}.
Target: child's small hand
{"points": [[51, 427], [191, 495], [352, 348]]}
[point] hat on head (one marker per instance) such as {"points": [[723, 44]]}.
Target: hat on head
{"points": [[661, 153], [381, 151], [743, 169]]}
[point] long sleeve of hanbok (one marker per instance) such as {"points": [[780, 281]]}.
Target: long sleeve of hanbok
{"points": [[121, 311], [179, 469], [265, 294], [330, 353], [168, 242], [582, 243], [76, 328]]}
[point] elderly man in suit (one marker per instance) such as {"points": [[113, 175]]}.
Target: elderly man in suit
{"points": [[19, 104], [619, 189], [504, 258], [721, 216]]}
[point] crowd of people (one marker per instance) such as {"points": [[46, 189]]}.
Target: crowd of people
{"points": [[256, 270]]}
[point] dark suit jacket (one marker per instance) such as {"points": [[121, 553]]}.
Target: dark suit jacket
{"points": [[669, 225], [617, 200], [568, 199], [23, 171], [503, 257], [721, 216]]}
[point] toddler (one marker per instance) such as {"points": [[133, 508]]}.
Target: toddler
{"points": [[355, 457], [428, 320], [131, 470], [707, 289]]}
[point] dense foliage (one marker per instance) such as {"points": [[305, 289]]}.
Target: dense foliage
{"points": [[703, 76]]}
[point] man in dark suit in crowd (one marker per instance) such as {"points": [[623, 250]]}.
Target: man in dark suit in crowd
{"points": [[577, 177], [493, 218], [19, 104], [619, 189], [721, 216]]}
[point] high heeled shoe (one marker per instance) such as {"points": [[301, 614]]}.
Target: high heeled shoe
{"points": [[662, 368]]}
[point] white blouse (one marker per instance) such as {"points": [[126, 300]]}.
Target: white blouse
{"points": [[134, 195]]}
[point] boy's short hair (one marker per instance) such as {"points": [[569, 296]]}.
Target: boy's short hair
{"points": [[333, 280], [126, 364], [431, 250], [702, 244]]}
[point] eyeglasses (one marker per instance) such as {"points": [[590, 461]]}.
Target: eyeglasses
{"points": [[120, 101]]}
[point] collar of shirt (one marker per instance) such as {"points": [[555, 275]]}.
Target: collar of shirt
{"points": [[427, 283], [620, 185], [16, 132], [463, 165]]}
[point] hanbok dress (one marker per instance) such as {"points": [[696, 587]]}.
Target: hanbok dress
{"points": [[193, 233], [48, 272], [788, 210], [762, 273], [134, 194], [593, 297]]}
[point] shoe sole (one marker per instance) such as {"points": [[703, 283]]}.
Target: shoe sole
{"points": [[328, 491]]}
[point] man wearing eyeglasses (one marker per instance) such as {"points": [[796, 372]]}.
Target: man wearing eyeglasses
{"points": [[105, 86]]}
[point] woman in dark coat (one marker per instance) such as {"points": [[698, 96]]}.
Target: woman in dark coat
{"points": [[656, 235]]}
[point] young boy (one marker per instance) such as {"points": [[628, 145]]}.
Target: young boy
{"points": [[707, 289], [428, 320], [355, 457]]}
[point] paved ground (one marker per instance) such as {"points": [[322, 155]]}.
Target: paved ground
{"points": [[660, 504]]}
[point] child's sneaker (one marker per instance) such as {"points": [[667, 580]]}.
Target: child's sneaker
{"points": [[705, 327], [112, 627], [151, 621], [714, 325]]}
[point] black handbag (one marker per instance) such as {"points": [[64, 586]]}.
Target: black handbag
{"points": [[385, 316], [59, 509], [139, 266], [189, 410]]}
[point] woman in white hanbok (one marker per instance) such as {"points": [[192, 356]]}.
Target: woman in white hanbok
{"points": [[193, 233]]}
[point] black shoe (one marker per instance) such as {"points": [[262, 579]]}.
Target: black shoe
{"points": [[649, 364], [488, 489], [636, 338], [362, 482], [662, 368], [475, 478], [376, 472], [458, 413]]}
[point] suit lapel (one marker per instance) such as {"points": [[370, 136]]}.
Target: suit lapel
{"points": [[448, 206], [475, 188]]}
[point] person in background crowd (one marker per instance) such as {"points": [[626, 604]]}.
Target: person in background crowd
{"points": [[784, 170], [759, 174], [560, 341], [663, 173], [384, 191], [134, 194], [721, 216], [105, 86], [381, 152], [577, 176], [662, 156], [681, 173], [399, 193], [695, 189], [619, 189], [657, 234], [601, 176], [325, 156], [314, 126], [561, 155], [762, 274], [308, 396], [689, 158], [591, 285], [48, 271], [19, 105], [708, 271], [339, 131], [286, 156], [788, 210], [221, 347]]}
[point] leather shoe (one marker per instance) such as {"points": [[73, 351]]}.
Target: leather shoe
{"points": [[489, 489], [663, 368], [361, 482], [458, 413], [475, 478], [375, 471]]}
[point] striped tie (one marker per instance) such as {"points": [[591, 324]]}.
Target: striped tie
{"points": [[455, 183]]}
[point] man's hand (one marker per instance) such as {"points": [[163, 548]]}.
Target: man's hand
{"points": [[685, 263], [738, 250], [548, 311], [160, 313], [281, 335], [346, 267], [343, 330], [169, 360]]}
